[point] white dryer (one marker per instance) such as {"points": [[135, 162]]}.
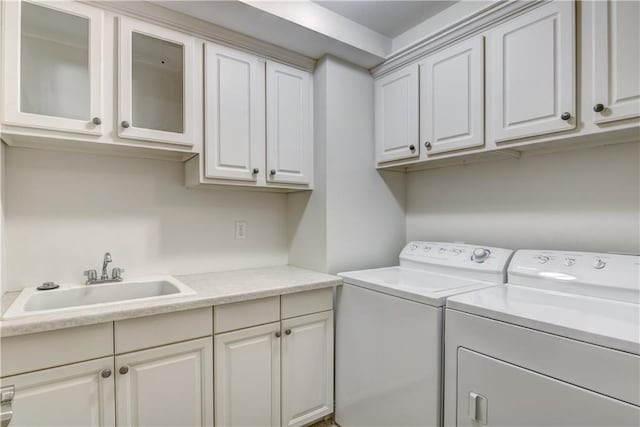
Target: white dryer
{"points": [[389, 334], [558, 345]]}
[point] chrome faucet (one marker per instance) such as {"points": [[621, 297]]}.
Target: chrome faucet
{"points": [[116, 273]]}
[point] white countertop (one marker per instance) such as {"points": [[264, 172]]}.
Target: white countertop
{"points": [[210, 289]]}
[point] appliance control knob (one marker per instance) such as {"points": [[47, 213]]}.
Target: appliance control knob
{"points": [[413, 246], [457, 251], [426, 248], [599, 264], [480, 255], [543, 259], [569, 261]]}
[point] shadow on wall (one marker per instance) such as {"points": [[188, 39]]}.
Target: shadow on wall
{"points": [[576, 200], [64, 210]]}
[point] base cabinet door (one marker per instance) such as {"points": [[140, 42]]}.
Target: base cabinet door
{"points": [[81, 394], [531, 72], [491, 392], [616, 60], [247, 377], [307, 368], [166, 386]]}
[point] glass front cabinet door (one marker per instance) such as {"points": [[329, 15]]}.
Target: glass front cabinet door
{"points": [[53, 70], [156, 83]]}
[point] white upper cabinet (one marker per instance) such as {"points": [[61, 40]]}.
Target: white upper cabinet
{"points": [[156, 84], [166, 386], [289, 125], [452, 98], [307, 368], [53, 66], [531, 72], [396, 115], [616, 60], [234, 114]]}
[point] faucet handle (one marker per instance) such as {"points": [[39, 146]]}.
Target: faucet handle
{"points": [[116, 273], [92, 275]]}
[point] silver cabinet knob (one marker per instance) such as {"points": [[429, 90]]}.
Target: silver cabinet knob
{"points": [[125, 124], [287, 331], [106, 373], [272, 172], [598, 108], [427, 145], [412, 148], [96, 121], [565, 116], [256, 171], [123, 370], [278, 334]]}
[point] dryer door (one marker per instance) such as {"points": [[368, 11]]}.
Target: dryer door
{"points": [[495, 393]]}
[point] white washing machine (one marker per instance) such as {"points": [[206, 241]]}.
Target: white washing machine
{"points": [[558, 345], [389, 325]]}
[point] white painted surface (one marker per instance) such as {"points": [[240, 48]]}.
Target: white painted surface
{"points": [[170, 385], [562, 200], [69, 395], [247, 377], [64, 210], [307, 368], [228, 317]]}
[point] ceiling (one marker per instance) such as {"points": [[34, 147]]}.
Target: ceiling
{"points": [[387, 17]]}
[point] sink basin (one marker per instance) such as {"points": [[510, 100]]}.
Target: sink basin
{"points": [[31, 301]]}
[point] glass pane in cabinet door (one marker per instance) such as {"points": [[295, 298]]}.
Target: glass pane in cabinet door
{"points": [[54, 63], [157, 84]]}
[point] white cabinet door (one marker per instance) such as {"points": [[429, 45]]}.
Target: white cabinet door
{"points": [[289, 125], [81, 395], [247, 377], [531, 72], [396, 115], [616, 60], [307, 368], [166, 386], [452, 98], [491, 392], [53, 66], [234, 114], [157, 79]]}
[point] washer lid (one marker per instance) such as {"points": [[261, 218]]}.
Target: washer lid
{"points": [[416, 285], [600, 321]]}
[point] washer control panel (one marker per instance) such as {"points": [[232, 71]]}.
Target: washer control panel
{"points": [[458, 255], [588, 273]]}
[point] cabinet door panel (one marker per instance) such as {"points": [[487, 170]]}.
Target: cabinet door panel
{"points": [[234, 114], [396, 115], [532, 73], [486, 396], [452, 98], [53, 65], [166, 386], [156, 84], [307, 368], [247, 377], [289, 126], [616, 62], [72, 395]]}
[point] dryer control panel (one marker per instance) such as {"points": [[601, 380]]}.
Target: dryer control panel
{"points": [[604, 275]]}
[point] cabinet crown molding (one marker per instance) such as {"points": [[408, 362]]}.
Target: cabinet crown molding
{"points": [[464, 28]]}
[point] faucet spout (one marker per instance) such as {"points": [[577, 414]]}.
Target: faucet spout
{"points": [[107, 260]]}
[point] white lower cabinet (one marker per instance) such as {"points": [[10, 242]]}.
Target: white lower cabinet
{"points": [[80, 394], [307, 368], [280, 373], [166, 386]]}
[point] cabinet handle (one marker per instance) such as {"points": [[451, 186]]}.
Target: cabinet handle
{"points": [[96, 121], [123, 370], [272, 172], [125, 124], [565, 116], [598, 108], [106, 373], [412, 148], [256, 171], [427, 145], [287, 331], [278, 334]]}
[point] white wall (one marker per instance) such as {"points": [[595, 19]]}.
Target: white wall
{"points": [[355, 216], [64, 210], [587, 199]]}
